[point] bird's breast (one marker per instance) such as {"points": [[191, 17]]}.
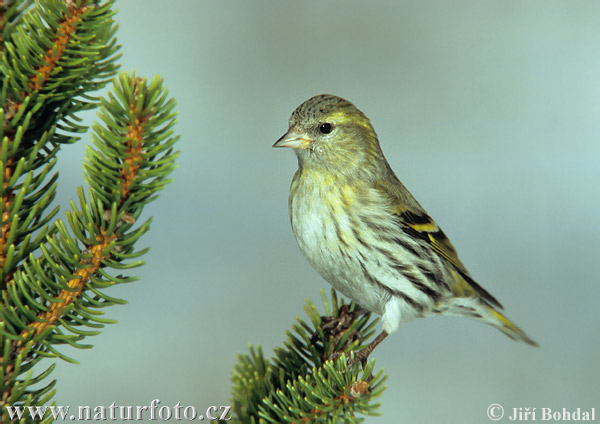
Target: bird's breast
{"points": [[320, 222], [324, 219]]}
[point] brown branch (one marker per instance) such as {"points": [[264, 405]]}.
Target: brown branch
{"points": [[87, 268], [65, 31], [135, 150]]}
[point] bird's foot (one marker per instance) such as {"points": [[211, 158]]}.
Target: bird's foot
{"points": [[344, 319], [337, 326]]}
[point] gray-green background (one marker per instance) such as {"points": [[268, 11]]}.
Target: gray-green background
{"points": [[489, 111]]}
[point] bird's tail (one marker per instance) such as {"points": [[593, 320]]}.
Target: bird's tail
{"points": [[507, 326], [480, 310]]}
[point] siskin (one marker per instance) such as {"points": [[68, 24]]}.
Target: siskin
{"points": [[364, 233]]}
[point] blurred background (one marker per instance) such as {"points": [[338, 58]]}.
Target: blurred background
{"points": [[488, 111]]}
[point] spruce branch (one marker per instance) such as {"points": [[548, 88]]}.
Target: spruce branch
{"points": [[54, 56], [59, 52], [309, 380], [63, 290]]}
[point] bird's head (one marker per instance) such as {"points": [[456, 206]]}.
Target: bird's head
{"points": [[330, 133]]}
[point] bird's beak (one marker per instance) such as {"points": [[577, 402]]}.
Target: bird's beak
{"points": [[293, 140]]}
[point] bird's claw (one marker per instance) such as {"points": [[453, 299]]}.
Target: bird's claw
{"points": [[337, 326]]}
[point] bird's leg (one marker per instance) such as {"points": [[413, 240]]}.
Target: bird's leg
{"points": [[362, 355]]}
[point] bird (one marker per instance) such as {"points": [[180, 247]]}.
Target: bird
{"points": [[364, 232]]}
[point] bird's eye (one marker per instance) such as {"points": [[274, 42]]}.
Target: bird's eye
{"points": [[325, 128]]}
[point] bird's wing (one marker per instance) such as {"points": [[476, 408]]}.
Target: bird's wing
{"points": [[417, 223], [423, 227]]}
